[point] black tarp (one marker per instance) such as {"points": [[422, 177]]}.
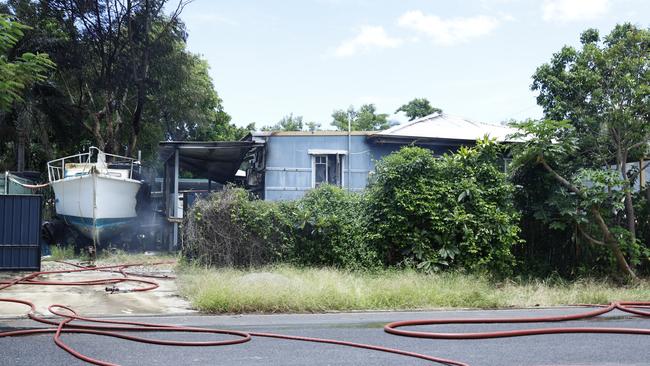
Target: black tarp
{"points": [[218, 161]]}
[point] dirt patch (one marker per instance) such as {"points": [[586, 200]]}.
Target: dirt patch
{"points": [[95, 300]]}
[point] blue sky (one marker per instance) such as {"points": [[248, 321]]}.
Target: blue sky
{"points": [[308, 57]]}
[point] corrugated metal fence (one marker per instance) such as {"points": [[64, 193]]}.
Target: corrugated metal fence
{"points": [[20, 227]]}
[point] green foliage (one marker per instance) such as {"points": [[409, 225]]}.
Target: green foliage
{"points": [[574, 196], [282, 289], [417, 108], [312, 126], [185, 102], [642, 207], [323, 228], [603, 90], [329, 230], [123, 89], [61, 253], [224, 130], [365, 119], [292, 123], [452, 212], [231, 229], [419, 211], [595, 101], [287, 123], [18, 74]]}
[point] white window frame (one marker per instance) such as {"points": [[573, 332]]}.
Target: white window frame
{"points": [[319, 152]]}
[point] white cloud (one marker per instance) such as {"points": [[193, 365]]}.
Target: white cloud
{"points": [[447, 32], [368, 37], [572, 10]]}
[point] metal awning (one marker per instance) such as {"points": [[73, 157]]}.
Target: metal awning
{"points": [[218, 161]]}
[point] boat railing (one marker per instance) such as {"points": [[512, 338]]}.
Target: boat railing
{"points": [[56, 169]]}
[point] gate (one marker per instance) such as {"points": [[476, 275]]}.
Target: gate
{"points": [[20, 228]]}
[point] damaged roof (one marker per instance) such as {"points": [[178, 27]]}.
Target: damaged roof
{"points": [[446, 127]]}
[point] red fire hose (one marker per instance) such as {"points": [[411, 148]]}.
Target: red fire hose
{"points": [[118, 329]]}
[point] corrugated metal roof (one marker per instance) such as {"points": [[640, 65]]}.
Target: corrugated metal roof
{"points": [[447, 127], [310, 133]]}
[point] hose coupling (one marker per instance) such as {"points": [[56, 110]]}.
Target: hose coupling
{"points": [[114, 290]]}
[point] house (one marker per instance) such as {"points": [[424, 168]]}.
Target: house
{"points": [[285, 165]]}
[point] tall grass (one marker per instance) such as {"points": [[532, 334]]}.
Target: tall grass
{"points": [[60, 253], [290, 289], [107, 257]]}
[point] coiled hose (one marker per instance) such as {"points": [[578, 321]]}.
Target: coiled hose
{"points": [[119, 329]]}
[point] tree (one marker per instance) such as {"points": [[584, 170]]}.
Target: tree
{"points": [[183, 99], [417, 108], [293, 123], [287, 123], [20, 73], [17, 74], [365, 119], [596, 106], [113, 46], [224, 130], [312, 126]]}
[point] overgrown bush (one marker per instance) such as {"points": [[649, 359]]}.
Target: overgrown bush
{"points": [[419, 211], [329, 230], [231, 229], [451, 212], [324, 228]]}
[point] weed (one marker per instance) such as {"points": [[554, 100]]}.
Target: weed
{"points": [[284, 288]]}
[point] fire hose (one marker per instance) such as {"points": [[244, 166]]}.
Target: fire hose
{"points": [[119, 329]]}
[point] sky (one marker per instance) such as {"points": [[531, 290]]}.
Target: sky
{"points": [[471, 58]]}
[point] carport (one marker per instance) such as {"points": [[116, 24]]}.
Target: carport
{"points": [[217, 161]]}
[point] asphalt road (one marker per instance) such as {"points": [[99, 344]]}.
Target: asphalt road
{"points": [[563, 349]]}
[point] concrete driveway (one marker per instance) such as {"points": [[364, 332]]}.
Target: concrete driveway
{"points": [[94, 300]]}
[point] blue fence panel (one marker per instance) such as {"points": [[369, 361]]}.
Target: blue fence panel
{"points": [[20, 228]]}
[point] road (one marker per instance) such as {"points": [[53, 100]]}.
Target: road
{"points": [[563, 349]]}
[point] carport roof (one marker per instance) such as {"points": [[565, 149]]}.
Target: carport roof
{"points": [[215, 160]]}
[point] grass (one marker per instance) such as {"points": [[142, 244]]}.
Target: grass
{"points": [[61, 253], [290, 289], [107, 258], [122, 257]]}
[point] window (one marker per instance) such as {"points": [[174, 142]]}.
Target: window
{"points": [[327, 169]]}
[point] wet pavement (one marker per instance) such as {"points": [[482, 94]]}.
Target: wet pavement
{"points": [[562, 349], [94, 300]]}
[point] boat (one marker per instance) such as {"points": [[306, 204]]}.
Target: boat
{"points": [[95, 192]]}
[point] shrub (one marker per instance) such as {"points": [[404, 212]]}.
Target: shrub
{"points": [[452, 212], [324, 228], [329, 230], [230, 229]]}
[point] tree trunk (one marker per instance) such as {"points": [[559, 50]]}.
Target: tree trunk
{"points": [[629, 205], [44, 137], [20, 149], [141, 75], [611, 241], [23, 126]]}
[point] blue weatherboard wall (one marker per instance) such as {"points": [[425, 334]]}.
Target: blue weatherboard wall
{"points": [[289, 167]]}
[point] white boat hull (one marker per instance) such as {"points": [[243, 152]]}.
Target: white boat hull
{"points": [[99, 206]]}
